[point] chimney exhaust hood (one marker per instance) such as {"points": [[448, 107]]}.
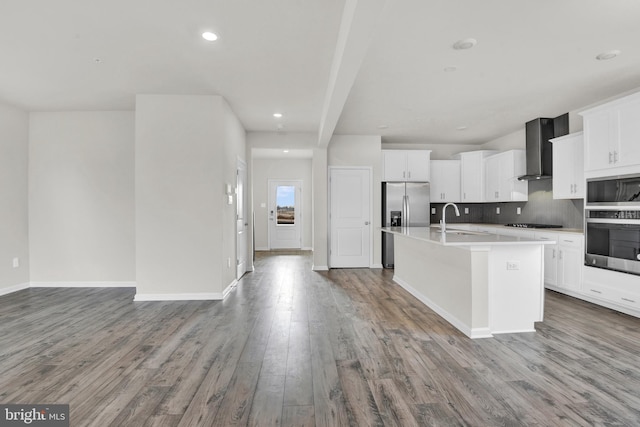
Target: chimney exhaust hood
{"points": [[539, 149]]}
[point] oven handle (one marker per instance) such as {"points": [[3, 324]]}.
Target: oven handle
{"points": [[614, 221]]}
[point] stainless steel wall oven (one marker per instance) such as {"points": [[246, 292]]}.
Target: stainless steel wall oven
{"points": [[612, 223]]}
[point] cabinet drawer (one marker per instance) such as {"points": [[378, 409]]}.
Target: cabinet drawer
{"points": [[570, 241], [628, 299], [598, 291]]}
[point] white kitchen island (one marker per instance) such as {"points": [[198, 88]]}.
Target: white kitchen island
{"points": [[481, 283]]}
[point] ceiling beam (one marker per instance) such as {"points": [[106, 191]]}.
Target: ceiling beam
{"points": [[359, 21]]}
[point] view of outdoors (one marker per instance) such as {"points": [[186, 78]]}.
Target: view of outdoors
{"points": [[285, 204]]}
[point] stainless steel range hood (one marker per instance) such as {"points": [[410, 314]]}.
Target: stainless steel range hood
{"points": [[539, 149]]}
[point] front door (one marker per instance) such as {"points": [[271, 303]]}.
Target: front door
{"points": [[350, 217], [285, 214]]}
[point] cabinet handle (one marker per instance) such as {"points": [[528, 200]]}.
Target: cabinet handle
{"points": [[610, 157], [554, 254], [627, 299], [464, 196], [597, 292], [615, 156], [409, 174], [404, 174], [559, 254]]}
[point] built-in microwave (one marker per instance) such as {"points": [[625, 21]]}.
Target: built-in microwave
{"points": [[614, 191]]}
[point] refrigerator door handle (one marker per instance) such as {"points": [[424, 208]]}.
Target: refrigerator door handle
{"points": [[408, 204]]}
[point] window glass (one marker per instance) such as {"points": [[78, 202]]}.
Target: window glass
{"points": [[285, 204]]}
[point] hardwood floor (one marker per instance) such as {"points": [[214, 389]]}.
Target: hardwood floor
{"points": [[294, 347]]}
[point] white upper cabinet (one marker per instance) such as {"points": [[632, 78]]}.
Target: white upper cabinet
{"points": [[472, 185], [406, 165], [568, 166], [445, 181], [501, 177], [612, 135]]}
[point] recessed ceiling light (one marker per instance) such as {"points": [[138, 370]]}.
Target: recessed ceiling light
{"points": [[383, 126], [277, 115], [209, 36], [607, 55], [465, 44], [450, 69], [285, 151]]}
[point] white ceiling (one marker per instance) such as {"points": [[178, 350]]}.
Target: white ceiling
{"points": [[533, 58]]}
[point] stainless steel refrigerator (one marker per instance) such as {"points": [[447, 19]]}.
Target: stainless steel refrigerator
{"points": [[404, 204]]}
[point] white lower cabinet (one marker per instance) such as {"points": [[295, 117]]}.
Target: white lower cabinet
{"points": [[570, 260], [550, 258]]}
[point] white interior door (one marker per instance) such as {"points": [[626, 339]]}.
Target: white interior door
{"points": [[350, 217], [285, 214], [242, 219]]}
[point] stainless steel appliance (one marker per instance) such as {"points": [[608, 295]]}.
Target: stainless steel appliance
{"points": [[530, 225], [404, 204], [612, 223]]}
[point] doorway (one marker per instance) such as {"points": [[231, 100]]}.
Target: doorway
{"points": [[285, 214], [242, 219], [350, 213]]}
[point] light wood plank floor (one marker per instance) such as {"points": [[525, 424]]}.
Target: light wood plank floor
{"points": [[294, 347]]}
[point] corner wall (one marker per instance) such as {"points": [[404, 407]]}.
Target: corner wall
{"points": [[14, 240]]}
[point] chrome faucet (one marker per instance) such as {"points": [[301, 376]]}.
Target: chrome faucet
{"points": [[443, 223]]}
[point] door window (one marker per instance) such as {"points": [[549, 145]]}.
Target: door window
{"points": [[285, 205]]}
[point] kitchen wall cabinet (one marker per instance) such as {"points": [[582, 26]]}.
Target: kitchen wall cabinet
{"points": [[406, 165], [568, 166], [445, 181], [611, 134], [472, 175], [501, 177]]}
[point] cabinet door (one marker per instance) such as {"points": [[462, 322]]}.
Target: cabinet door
{"points": [[472, 177], [598, 136], [550, 258], [578, 167], [627, 152], [394, 165], [492, 178], [570, 260], [445, 181], [563, 170], [418, 165]]}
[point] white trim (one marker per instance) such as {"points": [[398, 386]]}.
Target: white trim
{"points": [[470, 332], [179, 297], [262, 249], [229, 288], [14, 288], [319, 267], [306, 248], [377, 266], [89, 284], [597, 301]]}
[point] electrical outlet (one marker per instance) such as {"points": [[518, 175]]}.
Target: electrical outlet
{"points": [[433, 211], [16, 262], [518, 210], [498, 211], [513, 265], [466, 211]]}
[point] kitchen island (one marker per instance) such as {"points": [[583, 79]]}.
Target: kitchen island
{"points": [[481, 283]]}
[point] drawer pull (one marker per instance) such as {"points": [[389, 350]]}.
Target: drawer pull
{"points": [[627, 300], [597, 292]]}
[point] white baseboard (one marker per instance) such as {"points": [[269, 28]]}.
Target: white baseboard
{"points": [[83, 284], [320, 268], [229, 288], [262, 249], [465, 329], [179, 297], [377, 266], [14, 288]]}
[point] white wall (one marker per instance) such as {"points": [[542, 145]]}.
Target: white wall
{"points": [[14, 238], [81, 197], [284, 169], [186, 151], [362, 150]]}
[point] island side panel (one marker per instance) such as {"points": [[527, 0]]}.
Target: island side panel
{"points": [[439, 276], [516, 296]]}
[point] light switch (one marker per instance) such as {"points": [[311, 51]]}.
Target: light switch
{"points": [[518, 210], [466, 211], [498, 210], [433, 211]]}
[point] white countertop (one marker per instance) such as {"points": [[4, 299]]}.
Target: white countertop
{"points": [[502, 226], [459, 237]]}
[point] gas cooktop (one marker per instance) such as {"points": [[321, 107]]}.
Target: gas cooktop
{"points": [[529, 225]]}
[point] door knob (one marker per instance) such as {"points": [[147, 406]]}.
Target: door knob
{"points": [[366, 223]]}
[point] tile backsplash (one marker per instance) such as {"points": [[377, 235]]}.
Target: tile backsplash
{"points": [[541, 209]]}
